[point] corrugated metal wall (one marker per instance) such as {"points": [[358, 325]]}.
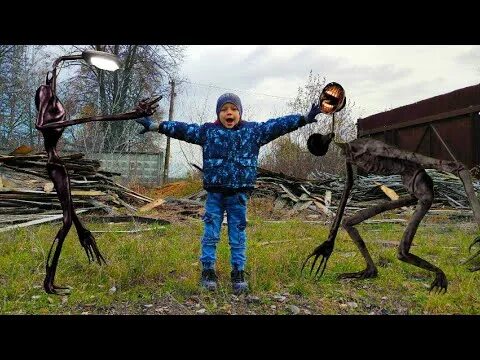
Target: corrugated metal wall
{"points": [[445, 126]]}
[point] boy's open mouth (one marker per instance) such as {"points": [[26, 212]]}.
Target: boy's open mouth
{"points": [[230, 121]]}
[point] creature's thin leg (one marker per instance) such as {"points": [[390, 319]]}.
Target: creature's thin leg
{"points": [[87, 240], [423, 190], [349, 223], [58, 175]]}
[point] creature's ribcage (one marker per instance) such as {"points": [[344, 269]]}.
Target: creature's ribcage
{"points": [[50, 110], [384, 166]]}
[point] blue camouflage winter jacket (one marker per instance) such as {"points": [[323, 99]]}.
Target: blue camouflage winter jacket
{"points": [[230, 155]]}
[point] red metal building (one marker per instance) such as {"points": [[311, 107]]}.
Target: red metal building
{"points": [[444, 127]]}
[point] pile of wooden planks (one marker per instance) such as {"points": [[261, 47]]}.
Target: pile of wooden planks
{"points": [[323, 193], [27, 194]]}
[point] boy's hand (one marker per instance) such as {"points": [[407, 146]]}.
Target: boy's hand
{"points": [[314, 111], [148, 124]]}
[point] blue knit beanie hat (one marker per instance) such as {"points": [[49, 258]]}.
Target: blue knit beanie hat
{"points": [[229, 98]]}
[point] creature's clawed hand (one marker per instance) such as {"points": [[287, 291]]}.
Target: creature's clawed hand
{"points": [[147, 106], [324, 250], [90, 246]]}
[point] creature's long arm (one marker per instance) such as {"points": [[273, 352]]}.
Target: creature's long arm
{"points": [[116, 117], [343, 202], [144, 108], [326, 248]]}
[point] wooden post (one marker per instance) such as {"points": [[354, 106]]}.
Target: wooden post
{"points": [[167, 148]]}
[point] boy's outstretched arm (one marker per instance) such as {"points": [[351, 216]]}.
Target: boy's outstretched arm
{"points": [[274, 128], [178, 130]]}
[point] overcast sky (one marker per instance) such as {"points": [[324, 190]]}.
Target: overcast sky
{"points": [[376, 78]]}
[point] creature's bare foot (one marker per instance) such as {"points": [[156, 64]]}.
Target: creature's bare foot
{"points": [[364, 274], [325, 250], [51, 288], [90, 246], [440, 282]]}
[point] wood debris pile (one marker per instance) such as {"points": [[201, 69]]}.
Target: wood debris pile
{"points": [[324, 192], [27, 194]]}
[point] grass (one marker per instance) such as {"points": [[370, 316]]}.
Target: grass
{"points": [[157, 272]]}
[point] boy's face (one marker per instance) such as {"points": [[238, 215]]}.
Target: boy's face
{"points": [[229, 115]]}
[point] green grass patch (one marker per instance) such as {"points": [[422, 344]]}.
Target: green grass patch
{"points": [[158, 269]]}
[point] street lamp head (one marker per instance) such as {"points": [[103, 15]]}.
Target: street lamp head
{"points": [[101, 60]]}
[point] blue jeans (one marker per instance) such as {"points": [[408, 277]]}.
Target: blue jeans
{"points": [[236, 207]]}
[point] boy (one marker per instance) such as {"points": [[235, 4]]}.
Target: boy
{"points": [[230, 154]]}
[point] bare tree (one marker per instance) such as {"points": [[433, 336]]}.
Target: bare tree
{"points": [[286, 153], [22, 68], [145, 70]]}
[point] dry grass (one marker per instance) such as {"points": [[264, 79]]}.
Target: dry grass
{"points": [[157, 271]]}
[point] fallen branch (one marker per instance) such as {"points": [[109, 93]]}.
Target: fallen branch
{"points": [[272, 242], [39, 221], [122, 231]]}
